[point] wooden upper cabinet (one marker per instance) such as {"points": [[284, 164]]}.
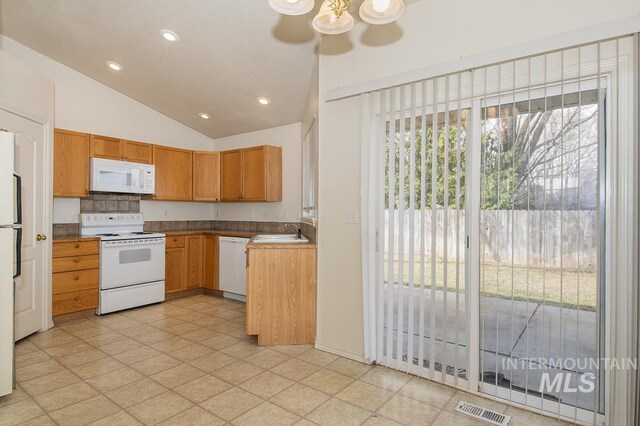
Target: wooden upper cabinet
{"points": [[231, 175], [174, 173], [254, 184], [206, 176], [252, 174], [106, 147], [262, 173], [120, 149], [70, 164], [138, 152]]}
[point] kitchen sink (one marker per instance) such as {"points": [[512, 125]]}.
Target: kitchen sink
{"points": [[279, 239]]}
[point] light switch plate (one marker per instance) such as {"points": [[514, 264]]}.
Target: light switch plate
{"points": [[351, 216]]}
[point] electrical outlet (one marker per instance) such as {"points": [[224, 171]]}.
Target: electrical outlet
{"points": [[252, 214], [284, 215], [351, 217], [218, 214]]}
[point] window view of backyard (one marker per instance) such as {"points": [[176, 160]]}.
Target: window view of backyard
{"points": [[539, 234]]}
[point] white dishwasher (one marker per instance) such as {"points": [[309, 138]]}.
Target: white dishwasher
{"points": [[233, 267]]}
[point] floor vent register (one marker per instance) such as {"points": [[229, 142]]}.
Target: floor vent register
{"points": [[482, 414]]}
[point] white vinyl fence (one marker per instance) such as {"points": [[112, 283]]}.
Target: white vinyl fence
{"points": [[546, 238]]}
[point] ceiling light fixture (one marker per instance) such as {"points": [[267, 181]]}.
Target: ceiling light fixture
{"points": [[378, 12], [114, 66], [169, 35], [263, 101], [334, 16], [292, 7], [204, 115]]}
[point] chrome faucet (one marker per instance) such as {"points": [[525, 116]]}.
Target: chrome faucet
{"points": [[296, 228]]}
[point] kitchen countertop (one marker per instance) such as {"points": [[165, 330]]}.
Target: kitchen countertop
{"points": [[243, 234]]}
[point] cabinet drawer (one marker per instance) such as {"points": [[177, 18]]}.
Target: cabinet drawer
{"points": [[174, 242], [75, 301], [75, 248], [76, 263], [65, 282]]}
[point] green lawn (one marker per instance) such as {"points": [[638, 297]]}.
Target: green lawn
{"points": [[578, 288]]}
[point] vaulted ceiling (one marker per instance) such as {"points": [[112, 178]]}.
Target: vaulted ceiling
{"points": [[230, 52]]}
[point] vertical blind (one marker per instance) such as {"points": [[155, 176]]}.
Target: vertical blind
{"points": [[494, 218], [309, 172]]}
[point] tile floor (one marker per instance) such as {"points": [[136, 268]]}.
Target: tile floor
{"points": [[188, 361]]}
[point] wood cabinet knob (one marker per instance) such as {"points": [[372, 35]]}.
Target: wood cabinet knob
{"points": [[76, 277], [77, 298], [175, 240], [76, 246], [76, 260]]}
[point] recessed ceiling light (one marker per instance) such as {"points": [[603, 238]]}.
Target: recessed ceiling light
{"points": [[204, 115], [114, 66], [264, 101], [169, 35]]}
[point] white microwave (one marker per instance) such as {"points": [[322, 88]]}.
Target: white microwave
{"points": [[122, 177]]}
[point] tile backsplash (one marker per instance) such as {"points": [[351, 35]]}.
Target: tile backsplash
{"points": [[110, 203]]}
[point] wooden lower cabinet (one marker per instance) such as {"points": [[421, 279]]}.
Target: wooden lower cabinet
{"points": [[66, 303], [175, 270], [210, 262], [76, 275], [195, 261], [281, 294]]}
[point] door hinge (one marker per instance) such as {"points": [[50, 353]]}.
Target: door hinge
{"points": [[377, 240], [467, 242]]}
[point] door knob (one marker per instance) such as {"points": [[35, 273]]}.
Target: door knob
{"points": [[41, 237]]}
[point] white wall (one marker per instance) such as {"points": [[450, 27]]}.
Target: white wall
{"points": [[429, 33], [84, 105], [288, 210]]}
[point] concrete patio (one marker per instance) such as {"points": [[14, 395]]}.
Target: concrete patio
{"points": [[515, 338]]}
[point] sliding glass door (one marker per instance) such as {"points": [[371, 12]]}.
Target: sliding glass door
{"points": [[492, 208], [540, 236]]}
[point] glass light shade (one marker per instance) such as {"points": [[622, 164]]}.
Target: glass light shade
{"points": [[369, 14], [327, 22], [288, 7]]}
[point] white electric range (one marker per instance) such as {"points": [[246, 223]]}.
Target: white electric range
{"points": [[131, 260]]}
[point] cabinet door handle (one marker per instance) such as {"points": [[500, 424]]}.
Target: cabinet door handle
{"points": [[77, 298], [76, 246], [76, 260], [76, 277]]}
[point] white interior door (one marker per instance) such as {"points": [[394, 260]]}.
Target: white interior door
{"points": [[30, 165]]}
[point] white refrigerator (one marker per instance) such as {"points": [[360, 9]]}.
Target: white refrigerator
{"points": [[10, 256]]}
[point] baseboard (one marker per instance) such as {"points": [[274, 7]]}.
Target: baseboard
{"points": [[340, 352]]}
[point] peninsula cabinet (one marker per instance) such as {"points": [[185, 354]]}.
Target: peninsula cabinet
{"points": [[70, 164], [174, 173], [252, 174], [281, 293], [206, 176]]}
